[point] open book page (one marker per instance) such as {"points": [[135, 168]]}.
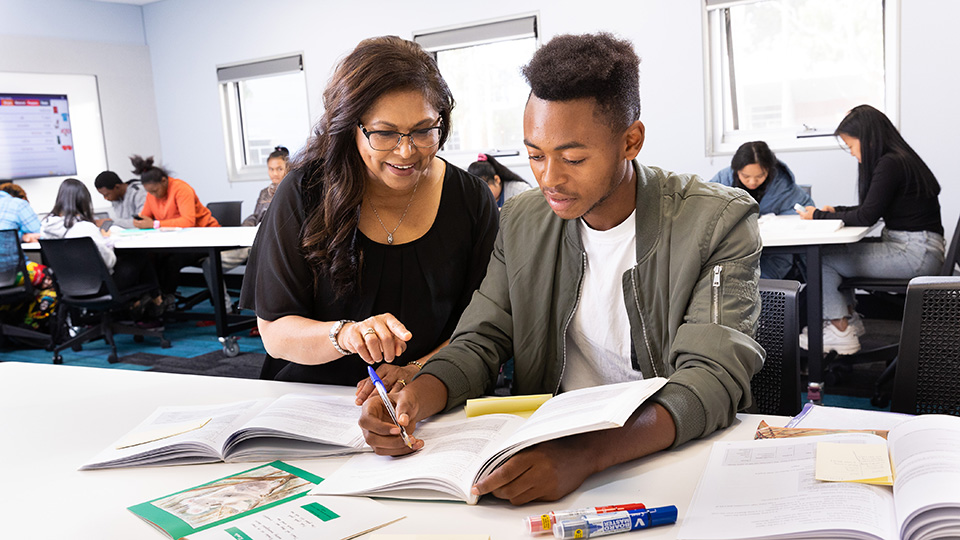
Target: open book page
{"points": [[766, 489], [818, 416], [579, 411], [332, 420], [447, 463], [926, 460], [196, 446]]}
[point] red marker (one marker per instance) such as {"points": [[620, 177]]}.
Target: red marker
{"points": [[543, 523]]}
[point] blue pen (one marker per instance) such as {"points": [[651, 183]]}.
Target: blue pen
{"points": [[386, 403], [614, 522]]}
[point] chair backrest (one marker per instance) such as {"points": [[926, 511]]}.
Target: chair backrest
{"points": [[13, 263], [80, 271], [776, 387], [226, 212], [928, 366]]}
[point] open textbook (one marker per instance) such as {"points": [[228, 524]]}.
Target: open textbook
{"points": [[294, 426], [765, 489], [456, 455], [269, 502]]}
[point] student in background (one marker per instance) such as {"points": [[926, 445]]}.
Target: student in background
{"points": [[15, 190], [126, 198], [16, 213], [171, 202], [373, 245], [503, 182], [896, 185], [770, 182], [72, 217], [604, 276]]}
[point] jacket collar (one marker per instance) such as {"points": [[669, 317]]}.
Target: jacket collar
{"points": [[649, 217]]}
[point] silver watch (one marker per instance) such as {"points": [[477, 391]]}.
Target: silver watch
{"points": [[334, 332]]}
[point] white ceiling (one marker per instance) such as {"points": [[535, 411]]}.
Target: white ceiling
{"points": [[134, 2]]}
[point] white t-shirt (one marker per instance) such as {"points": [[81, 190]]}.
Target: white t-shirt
{"points": [[598, 338]]}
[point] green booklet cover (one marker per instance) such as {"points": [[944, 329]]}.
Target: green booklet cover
{"points": [[269, 501]]}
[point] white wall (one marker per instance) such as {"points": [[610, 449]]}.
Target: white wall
{"points": [[106, 40]]}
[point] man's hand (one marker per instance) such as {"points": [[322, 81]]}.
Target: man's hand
{"points": [[418, 400], [391, 376], [29, 238], [545, 472], [141, 222]]}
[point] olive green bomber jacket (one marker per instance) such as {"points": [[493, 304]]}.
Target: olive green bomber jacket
{"points": [[692, 301]]}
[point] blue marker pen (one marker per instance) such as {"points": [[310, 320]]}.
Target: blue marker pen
{"points": [[615, 522], [386, 403]]}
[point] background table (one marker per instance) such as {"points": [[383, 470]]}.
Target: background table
{"points": [[791, 235], [55, 418], [211, 241]]}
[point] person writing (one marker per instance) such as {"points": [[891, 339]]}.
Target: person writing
{"points": [[503, 182], [373, 245], [170, 202], [126, 198], [756, 170], [894, 184], [614, 271]]}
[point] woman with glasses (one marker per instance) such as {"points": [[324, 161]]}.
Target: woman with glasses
{"points": [[372, 246], [896, 185]]}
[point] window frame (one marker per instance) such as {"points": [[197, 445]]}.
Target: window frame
{"points": [[718, 143], [228, 78], [463, 35]]}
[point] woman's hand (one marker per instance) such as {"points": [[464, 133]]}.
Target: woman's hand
{"points": [[807, 212], [391, 376], [380, 338]]}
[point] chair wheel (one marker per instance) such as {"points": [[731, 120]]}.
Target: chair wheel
{"points": [[112, 358], [137, 338], [57, 359], [230, 347], [165, 344]]}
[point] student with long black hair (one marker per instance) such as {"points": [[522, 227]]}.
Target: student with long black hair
{"points": [[896, 185], [503, 182]]}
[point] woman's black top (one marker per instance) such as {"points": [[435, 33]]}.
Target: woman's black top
{"points": [[894, 198], [426, 284]]}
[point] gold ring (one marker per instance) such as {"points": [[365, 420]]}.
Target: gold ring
{"points": [[369, 331], [418, 364], [403, 382]]}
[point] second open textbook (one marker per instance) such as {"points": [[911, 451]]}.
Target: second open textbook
{"points": [[457, 454], [766, 489], [294, 426]]}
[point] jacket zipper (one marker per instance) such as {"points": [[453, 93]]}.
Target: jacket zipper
{"points": [[643, 325], [563, 364], [716, 293]]}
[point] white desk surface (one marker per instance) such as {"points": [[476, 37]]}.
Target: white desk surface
{"points": [[54, 418], [190, 237], [778, 231]]}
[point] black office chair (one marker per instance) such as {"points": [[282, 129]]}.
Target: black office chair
{"points": [[227, 213], [13, 265], [86, 286], [928, 371], [776, 387]]}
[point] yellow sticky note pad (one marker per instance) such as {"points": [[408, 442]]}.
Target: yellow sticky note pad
{"points": [[860, 463], [518, 405]]}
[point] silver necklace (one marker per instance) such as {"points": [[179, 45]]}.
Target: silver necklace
{"points": [[403, 215]]}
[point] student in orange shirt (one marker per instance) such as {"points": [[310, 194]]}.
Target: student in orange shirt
{"points": [[171, 202]]}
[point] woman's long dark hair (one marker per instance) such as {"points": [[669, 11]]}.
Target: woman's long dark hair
{"points": [[749, 153], [73, 203], [879, 137], [333, 171]]}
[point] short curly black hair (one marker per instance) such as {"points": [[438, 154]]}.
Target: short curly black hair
{"points": [[599, 66]]}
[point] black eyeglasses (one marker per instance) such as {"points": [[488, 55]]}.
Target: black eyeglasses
{"points": [[384, 141]]}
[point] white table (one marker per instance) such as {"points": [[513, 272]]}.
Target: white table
{"points": [[208, 240], [55, 418], [790, 234]]}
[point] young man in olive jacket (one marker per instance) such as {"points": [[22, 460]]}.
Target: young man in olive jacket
{"points": [[614, 271]]}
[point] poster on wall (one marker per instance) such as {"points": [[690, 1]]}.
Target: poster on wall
{"points": [[36, 137]]}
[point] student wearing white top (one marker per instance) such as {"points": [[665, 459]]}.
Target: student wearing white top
{"points": [[72, 217]]}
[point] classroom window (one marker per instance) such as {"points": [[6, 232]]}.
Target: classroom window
{"points": [[481, 63], [787, 71], [263, 105]]}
